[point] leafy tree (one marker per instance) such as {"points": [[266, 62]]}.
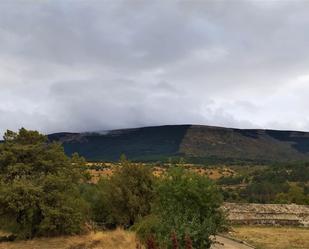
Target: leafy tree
{"points": [[100, 208], [264, 192], [126, 196], [187, 205], [39, 187], [295, 195]]}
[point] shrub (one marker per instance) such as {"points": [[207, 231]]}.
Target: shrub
{"points": [[186, 203], [230, 180], [147, 227]]}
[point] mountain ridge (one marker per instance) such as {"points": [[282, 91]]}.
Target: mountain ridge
{"points": [[193, 142]]}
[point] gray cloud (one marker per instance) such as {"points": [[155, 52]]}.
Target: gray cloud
{"points": [[95, 65]]}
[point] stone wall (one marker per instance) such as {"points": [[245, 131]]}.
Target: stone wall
{"points": [[267, 214]]}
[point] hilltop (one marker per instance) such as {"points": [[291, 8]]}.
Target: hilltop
{"points": [[196, 143]]}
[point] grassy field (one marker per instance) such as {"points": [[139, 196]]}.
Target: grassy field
{"points": [[117, 239], [273, 237]]}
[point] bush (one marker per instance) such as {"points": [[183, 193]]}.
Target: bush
{"points": [[187, 204], [125, 197], [230, 180], [39, 187]]}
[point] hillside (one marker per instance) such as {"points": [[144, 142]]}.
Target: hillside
{"points": [[195, 143]]}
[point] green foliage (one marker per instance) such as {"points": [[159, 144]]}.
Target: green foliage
{"points": [[187, 204], [125, 197], [148, 226], [192, 142], [39, 187], [230, 180], [100, 208], [270, 184], [231, 195], [142, 144], [295, 195], [264, 192]]}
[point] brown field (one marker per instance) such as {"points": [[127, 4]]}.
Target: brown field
{"points": [[117, 239], [213, 173], [273, 237]]}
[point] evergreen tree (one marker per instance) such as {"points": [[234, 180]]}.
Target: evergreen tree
{"points": [[39, 192]]}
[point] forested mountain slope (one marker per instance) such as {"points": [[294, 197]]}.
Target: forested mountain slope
{"points": [[193, 142]]}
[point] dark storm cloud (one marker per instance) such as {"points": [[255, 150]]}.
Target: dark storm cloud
{"points": [[95, 65]]}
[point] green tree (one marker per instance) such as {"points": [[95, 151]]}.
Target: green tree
{"points": [[39, 192], [100, 208], [295, 195], [187, 205], [126, 196]]}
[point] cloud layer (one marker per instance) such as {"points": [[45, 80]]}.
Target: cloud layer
{"points": [[95, 65]]}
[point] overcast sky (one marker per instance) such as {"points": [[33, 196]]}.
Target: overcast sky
{"points": [[96, 65]]}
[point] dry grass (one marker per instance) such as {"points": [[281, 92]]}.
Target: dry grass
{"points": [[274, 237], [118, 239], [261, 237], [213, 173]]}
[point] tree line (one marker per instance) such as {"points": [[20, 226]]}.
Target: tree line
{"points": [[283, 183]]}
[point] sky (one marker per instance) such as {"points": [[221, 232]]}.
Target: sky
{"points": [[90, 65]]}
